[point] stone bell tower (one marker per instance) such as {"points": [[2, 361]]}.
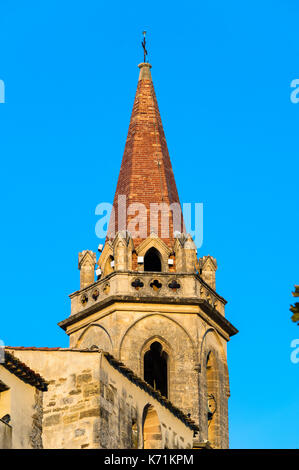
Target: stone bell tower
{"points": [[154, 305]]}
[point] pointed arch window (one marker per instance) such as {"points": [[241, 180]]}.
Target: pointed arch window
{"points": [[152, 260], [155, 368]]}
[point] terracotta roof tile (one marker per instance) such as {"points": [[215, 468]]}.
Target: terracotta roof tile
{"points": [[23, 372]]}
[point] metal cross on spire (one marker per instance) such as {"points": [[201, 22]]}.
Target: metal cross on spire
{"points": [[143, 45]]}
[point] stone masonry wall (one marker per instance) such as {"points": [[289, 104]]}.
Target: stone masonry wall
{"points": [[37, 421], [24, 406], [184, 336], [71, 405], [89, 404], [123, 404]]}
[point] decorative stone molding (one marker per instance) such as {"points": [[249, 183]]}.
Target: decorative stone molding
{"points": [[207, 267], [156, 285], [174, 285], [106, 288], [83, 299], [137, 284], [86, 265], [123, 247], [185, 253], [95, 294]]}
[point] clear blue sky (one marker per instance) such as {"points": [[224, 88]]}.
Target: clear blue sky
{"points": [[222, 74]]}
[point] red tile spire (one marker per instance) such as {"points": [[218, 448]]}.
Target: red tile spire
{"points": [[146, 174]]}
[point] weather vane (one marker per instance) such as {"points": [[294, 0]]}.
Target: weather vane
{"points": [[143, 45]]}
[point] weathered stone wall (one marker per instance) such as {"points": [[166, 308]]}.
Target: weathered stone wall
{"points": [[71, 405], [218, 438], [5, 435], [37, 421], [123, 402], [89, 404], [186, 336], [181, 351], [25, 412]]}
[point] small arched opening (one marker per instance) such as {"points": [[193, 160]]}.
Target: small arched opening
{"points": [[155, 368], [152, 260], [152, 435]]}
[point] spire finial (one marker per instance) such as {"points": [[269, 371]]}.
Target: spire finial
{"points": [[143, 45]]}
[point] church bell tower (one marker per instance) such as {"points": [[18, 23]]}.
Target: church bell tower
{"points": [[154, 304]]}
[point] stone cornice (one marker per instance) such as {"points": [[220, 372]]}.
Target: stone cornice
{"points": [[209, 288], [206, 307]]}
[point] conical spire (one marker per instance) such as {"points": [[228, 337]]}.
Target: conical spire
{"points": [[146, 174]]}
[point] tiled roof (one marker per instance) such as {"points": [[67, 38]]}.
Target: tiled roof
{"points": [[23, 372]]}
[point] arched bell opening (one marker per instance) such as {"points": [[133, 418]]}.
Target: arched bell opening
{"points": [[152, 260], [156, 368]]}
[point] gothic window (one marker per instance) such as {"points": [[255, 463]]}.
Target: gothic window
{"points": [[155, 368], [152, 260]]}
